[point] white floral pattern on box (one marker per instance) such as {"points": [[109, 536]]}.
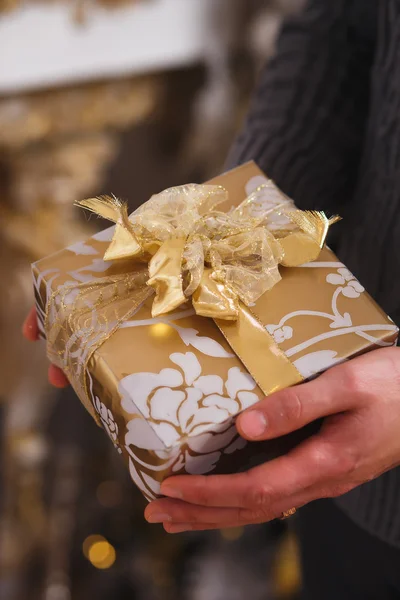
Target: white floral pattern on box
{"points": [[190, 412], [106, 416], [108, 422], [352, 288], [182, 403], [345, 284], [280, 333]]}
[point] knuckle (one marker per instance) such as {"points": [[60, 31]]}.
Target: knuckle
{"points": [[320, 456], [200, 493], [354, 382], [290, 407], [335, 462], [347, 460], [259, 497]]}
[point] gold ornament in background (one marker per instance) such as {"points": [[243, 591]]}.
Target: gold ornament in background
{"points": [[37, 234], [287, 574], [55, 147], [56, 173], [8, 5], [51, 114]]}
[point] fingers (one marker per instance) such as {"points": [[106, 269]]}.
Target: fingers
{"points": [[178, 516], [30, 327], [171, 512], [314, 462], [56, 377], [166, 510], [181, 527], [293, 408], [30, 330]]}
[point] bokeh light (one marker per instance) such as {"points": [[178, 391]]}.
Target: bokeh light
{"points": [[102, 554], [161, 330]]}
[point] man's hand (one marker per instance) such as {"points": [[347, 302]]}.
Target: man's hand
{"points": [[31, 332], [359, 440]]}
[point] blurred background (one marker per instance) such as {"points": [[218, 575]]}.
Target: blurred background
{"points": [[129, 97]]}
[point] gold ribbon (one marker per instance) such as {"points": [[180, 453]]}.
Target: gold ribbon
{"points": [[180, 247], [217, 259]]}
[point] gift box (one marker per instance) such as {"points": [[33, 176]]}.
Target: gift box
{"points": [[166, 374]]}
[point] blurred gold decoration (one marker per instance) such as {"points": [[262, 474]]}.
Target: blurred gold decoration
{"points": [[101, 554], [287, 568], [8, 5], [56, 173], [55, 146], [61, 523], [89, 541], [77, 110], [24, 393], [113, 3], [35, 234]]}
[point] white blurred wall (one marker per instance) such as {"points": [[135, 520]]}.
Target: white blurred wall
{"points": [[42, 44]]}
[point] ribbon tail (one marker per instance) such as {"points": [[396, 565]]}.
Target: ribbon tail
{"points": [[269, 366], [304, 246], [214, 299], [124, 243]]}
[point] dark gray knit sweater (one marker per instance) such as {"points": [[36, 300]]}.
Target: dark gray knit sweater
{"points": [[325, 125]]}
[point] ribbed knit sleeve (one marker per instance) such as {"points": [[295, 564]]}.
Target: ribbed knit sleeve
{"points": [[306, 122], [328, 102]]}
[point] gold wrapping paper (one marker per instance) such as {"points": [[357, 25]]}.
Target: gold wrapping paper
{"points": [[167, 388]]}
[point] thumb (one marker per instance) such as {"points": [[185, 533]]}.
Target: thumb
{"points": [[292, 408]]}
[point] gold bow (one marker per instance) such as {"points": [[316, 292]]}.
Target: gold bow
{"points": [[217, 259]]}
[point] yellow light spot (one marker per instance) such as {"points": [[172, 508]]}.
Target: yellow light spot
{"points": [[89, 541], [160, 330], [287, 574], [102, 555], [232, 534]]}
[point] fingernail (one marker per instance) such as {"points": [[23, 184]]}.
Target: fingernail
{"points": [[158, 518], [171, 492], [179, 528], [253, 423]]}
